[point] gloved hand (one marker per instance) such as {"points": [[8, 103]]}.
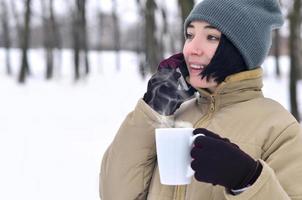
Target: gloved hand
{"points": [[163, 92], [218, 161]]}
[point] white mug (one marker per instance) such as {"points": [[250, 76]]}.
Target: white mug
{"points": [[173, 146]]}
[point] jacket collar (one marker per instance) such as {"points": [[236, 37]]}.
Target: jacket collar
{"points": [[236, 88]]}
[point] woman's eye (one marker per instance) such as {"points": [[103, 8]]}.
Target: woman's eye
{"points": [[189, 36], [213, 38]]}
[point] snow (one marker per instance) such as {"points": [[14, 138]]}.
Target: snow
{"points": [[53, 133]]}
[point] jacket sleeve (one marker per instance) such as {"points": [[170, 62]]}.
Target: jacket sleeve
{"points": [[281, 176], [128, 163]]}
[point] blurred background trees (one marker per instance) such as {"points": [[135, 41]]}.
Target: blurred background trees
{"points": [[79, 36], [5, 34], [156, 32], [295, 54], [51, 36], [25, 40]]}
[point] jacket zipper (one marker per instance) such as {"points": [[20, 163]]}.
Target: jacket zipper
{"points": [[209, 113], [212, 106], [180, 191]]}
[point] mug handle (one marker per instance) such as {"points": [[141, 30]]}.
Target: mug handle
{"points": [[191, 172]]}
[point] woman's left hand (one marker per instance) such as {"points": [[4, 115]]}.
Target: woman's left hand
{"points": [[216, 160]]}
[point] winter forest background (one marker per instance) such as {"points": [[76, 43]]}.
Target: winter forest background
{"points": [[71, 70]]}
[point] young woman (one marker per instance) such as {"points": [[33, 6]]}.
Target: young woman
{"points": [[253, 146]]}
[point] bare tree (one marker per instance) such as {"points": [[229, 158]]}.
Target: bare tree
{"points": [[56, 37], [116, 33], [140, 42], [51, 36], [17, 21], [167, 33], [47, 37], [25, 43], [100, 29], [167, 39], [152, 47], [164, 31], [6, 37], [185, 7], [295, 52], [84, 41], [101, 25], [79, 33], [76, 45]]}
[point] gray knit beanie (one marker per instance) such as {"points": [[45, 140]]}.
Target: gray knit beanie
{"points": [[247, 23]]}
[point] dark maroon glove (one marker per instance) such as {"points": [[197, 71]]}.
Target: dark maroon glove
{"points": [[218, 161], [164, 93], [175, 61]]}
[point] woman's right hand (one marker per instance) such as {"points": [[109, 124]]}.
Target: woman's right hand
{"points": [[163, 92]]}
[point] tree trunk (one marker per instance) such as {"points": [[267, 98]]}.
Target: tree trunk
{"points": [[52, 39], [163, 32], [185, 8], [76, 29], [100, 30], [169, 39], [20, 32], [76, 45], [17, 22], [141, 42], [152, 48], [56, 38], [277, 51], [80, 40], [295, 59], [48, 39], [116, 34], [54, 27], [6, 38], [84, 41], [25, 43]]}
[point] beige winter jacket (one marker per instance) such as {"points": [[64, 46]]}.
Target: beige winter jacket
{"points": [[237, 110]]}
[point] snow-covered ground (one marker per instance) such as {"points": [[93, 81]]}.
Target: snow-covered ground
{"points": [[53, 134]]}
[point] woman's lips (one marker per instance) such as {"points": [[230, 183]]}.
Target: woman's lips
{"points": [[196, 69]]}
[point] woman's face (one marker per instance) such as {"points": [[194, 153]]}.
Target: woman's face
{"points": [[202, 40]]}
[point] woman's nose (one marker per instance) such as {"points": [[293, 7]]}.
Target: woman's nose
{"points": [[197, 51], [197, 47]]}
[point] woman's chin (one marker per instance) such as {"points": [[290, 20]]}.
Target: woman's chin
{"points": [[198, 82]]}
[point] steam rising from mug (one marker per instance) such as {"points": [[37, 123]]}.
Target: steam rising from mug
{"points": [[167, 90]]}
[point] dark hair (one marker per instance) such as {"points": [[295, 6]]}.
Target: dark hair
{"points": [[227, 60]]}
